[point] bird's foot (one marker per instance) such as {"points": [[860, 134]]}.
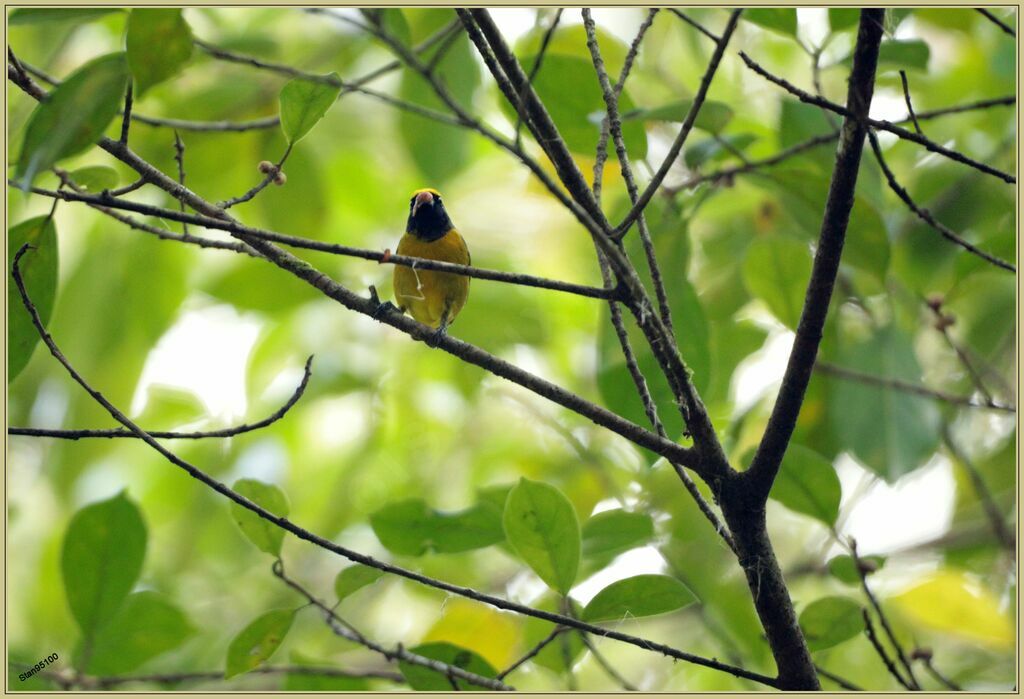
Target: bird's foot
{"points": [[434, 339], [385, 308]]}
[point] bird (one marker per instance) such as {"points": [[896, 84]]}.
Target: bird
{"points": [[431, 297]]}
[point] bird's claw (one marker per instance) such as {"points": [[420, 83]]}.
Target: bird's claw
{"points": [[434, 339], [383, 309]]}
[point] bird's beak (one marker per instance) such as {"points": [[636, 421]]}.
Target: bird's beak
{"points": [[421, 199]]}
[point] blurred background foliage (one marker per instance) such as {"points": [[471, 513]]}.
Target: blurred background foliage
{"points": [[185, 337]]}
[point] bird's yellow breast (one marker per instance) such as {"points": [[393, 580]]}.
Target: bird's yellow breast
{"points": [[426, 294]]}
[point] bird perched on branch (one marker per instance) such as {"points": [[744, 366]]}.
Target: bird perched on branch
{"points": [[431, 297]]}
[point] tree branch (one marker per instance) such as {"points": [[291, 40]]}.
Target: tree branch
{"points": [[107, 682], [998, 22], [995, 518], [545, 41], [880, 125], [346, 631], [869, 630], [907, 387], [101, 202], [122, 433], [126, 118], [532, 653], [926, 216], [684, 131], [770, 451], [862, 573]]}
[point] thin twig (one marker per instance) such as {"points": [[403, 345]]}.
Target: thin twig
{"points": [[106, 682], [533, 652], [862, 572], [684, 131], [538, 61], [695, 24], [995, 517], [627, 65], [608, 668], [942, 679], [942, 323], [729, 172], [869, 629], [611, 102], [179, 157], [126, 118], [122, 433], [998, 22], [342, 628], [910, 105], [926, 215], [880, 125], [844, 684], [271, 175], [906, 387]]}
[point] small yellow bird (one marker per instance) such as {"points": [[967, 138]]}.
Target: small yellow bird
{"points": [[431, 297]]}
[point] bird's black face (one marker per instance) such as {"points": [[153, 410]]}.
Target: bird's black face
{"points": [[428, 220]]}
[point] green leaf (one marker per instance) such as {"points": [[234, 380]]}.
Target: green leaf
{"points": [[95, 178], [267, 536], [541, 526], [808, 484], [101, 560], [890, 431], [353, 578], [712, 117], [577, 106], [571, 40], [778, 19], [830, 621], [39, 272], [46, 15], [776, 270], [74, 116], [146, 626], [304, 103], [439, 151], [423, 679], [911, 54], [258, 641], [638, 596], [411, 528], [159, 43], [982, 304], [840, 18], [844, 568], [611, 532]]}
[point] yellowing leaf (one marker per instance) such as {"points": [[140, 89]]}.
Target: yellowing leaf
{"points": [[494, 635], [951, 602]]}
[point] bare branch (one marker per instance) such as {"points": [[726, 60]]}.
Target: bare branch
{"points": [[532, 653], [537, 63], [995, 517], [869, 629], [998, 22], [179, 158], [910, 105], [926, 216], [801, 362], [926, 658], [844, 684], [627, 66], [695, 24], [728, 173], [121, 433], [862, 572], [346, 631], [880, 125], [684, 131], [126, 118], [907, 387]]}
